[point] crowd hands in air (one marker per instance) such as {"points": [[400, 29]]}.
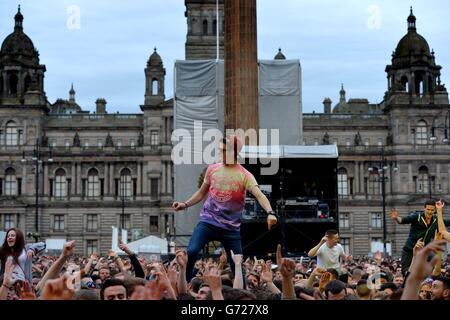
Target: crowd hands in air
{"points": [[133, 277]]}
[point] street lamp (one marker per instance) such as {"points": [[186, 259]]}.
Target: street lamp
{"points": [[37, 158], [384, 166]]}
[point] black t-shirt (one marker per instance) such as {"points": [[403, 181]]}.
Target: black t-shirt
{"points": [[419, 228]]}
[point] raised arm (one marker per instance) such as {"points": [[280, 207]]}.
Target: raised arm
{"points": [[441, 224], [313, 252], [182, 259], [196, 198], [238, 278], [395, 216], [287, 267], [56, 267], [138, 271]]}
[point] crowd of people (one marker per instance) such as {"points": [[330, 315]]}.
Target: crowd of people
{"points": [[28, 274], [421, 273]]}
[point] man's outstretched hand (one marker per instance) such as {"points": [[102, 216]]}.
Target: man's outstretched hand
{"points": [[177, 206]]}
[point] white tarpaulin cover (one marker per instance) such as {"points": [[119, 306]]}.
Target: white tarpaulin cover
{"points": [[150, 244], [199, 96]]}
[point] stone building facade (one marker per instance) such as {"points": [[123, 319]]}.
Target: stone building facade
{"points": [[407, 130], [91, 167]]}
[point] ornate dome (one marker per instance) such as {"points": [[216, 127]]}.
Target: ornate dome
{"points": [[155, 59], [18, 43], [412, 43]]}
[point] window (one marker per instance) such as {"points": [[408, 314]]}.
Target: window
{"points": [[376, 220], [2, 137], [125, 184], [205, 27], [93, 181], [58, 222], [347, 143], [119, 144], [67, 143], [374, 184], [316, 141], [60, 184], [9, 221], [91, 222], [100, 144], [342, 183], [132, 144], [11, 134], [86, 144], [155, 87], [345, 243], [154, 188], [53, 144], [421, 133], [380, 143], [423, 180], [344, 220], [91, 247], [154, 139], [154, 224], [10, 182], [20, 136], [366, 143], [214, 27]]}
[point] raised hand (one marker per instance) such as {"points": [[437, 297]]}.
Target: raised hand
{"points": [[287, 266], [124, 248], [237, 258], [26, 292], [223, 257], [152, 291], [418, 246], [440, 204], [318, 271], [177, 206], [324, 279], [68, 248], [422, 267], [267, 274], [213, 278], [30, 254], [394, 213], [57, 289], [182, 258]]}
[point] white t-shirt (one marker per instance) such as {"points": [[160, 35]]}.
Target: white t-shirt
{"points": [[329, 257]]}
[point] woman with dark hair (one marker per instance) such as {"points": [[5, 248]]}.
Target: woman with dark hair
{"points": [[20, 257]]}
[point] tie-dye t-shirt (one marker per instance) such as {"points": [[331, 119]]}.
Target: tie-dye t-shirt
{"points": [[226, 195]]}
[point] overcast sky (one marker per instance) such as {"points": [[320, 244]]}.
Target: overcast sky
{"points": [[346, 41]]}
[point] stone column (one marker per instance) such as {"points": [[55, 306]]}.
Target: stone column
{"points": [[169, 177], [79, 188], [357, 177], [361, 176], [139, 179], [45, 167], [105, 181], [72, 181], [410, 181], [241, 65], [163, 177], [24, 178], [144, 178], [111, 179]]}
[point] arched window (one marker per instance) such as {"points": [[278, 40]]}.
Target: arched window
{"points": [[214, 27], [205, 27], [125, 184], [13, 83], [423, 180], [93, 189], [27, 83], [420, 84], [10, 182], [343, 183], [405, 84], [154, 87], [374, 182], [11, 134], [421, 133], [60, 184]]}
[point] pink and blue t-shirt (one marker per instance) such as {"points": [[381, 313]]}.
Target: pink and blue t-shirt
{"points": [[226, 195]]}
